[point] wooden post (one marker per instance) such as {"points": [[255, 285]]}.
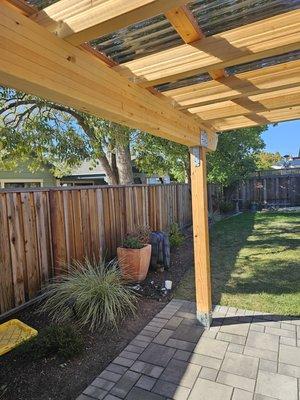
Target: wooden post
{"points": [[201, 235], [265, 191]]}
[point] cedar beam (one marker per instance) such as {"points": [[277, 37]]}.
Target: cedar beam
{"points": [[35, 61], [81, 21], [185, 24], [201, 235]]}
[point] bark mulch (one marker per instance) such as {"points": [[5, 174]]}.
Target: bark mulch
{"points": [[50, 378]]}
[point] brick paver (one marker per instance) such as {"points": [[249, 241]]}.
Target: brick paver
{"points": [[246, 355]]}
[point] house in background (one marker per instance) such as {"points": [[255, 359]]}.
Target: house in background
{"points": [[22, 177], [288, 162], [87, 174]]}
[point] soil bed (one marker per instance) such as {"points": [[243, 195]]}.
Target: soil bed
{"points": [[50, 378]]}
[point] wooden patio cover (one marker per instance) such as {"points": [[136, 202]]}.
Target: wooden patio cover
{"points": [[162, 72]]}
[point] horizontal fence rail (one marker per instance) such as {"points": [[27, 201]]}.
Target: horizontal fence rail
{"points": [[43, 230]]}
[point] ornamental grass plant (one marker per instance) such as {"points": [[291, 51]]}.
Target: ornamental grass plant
{"points": [[92, 294]]}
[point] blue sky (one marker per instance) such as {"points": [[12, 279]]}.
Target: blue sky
{"points": [[285, 138]]}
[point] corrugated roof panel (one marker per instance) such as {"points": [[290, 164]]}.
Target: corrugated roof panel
{"points": [[265, 62], [222, 15], [138, 40], [184, 82], [41, 3]]}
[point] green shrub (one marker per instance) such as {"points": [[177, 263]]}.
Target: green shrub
{"points": [[63, 341], [175, 235], [93, 294], [137, 238], [132, 242], [226, 206]]}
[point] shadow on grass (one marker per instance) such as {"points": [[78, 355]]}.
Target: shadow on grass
{"points": [[255, 263]]}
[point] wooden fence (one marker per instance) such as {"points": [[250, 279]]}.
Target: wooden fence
{"points": [[41, 230], [274, 187]]}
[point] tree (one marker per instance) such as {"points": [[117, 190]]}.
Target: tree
{"points": [[234, 158], [40, 131], [155, 155], [235, 155], [265, 160]]}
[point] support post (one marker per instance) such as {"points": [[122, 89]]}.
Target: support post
{"points": [[201, 235]]}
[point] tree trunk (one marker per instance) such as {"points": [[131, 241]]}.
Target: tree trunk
{"points": [[124, 164], [113, 166], [111, 177]]}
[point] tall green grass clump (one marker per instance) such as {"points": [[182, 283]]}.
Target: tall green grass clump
{"points": [[92, 294], [175, 235]]}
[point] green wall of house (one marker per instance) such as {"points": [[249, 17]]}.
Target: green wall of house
{"points": [[22, 172]]}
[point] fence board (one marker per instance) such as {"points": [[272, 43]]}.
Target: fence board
{"points": [[279, 189], [43, 230], [6, 279]]}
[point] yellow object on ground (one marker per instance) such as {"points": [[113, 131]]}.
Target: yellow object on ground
{"points": [[12, 333]]}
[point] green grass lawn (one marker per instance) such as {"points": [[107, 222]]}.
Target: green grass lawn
{"points": [[255, 260]]}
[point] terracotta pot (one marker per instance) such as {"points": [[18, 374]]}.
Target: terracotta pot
{"points": [[134, 263]]}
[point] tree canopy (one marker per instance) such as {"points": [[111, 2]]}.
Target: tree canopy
{"points": [[40, 132], [265, 160], [234, 158]]}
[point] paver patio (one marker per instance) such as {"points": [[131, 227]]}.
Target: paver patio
{"points": [[246, 355]]}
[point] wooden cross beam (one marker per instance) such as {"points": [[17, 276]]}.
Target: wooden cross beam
{"points": [[36, 61]]}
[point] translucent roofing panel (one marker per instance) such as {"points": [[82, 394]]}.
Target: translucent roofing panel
{"points": [[265, 62], [138, 40], [184, 82], [221, 15], [41, 3]]}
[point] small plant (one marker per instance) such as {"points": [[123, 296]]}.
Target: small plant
{"points": [[142, 233], [132, 242], [138, 238], [63, 341], [93, 294], [226, 206], [175, 235]]}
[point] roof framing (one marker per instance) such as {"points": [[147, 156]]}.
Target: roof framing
{"points": [[61, 69], [269, 37], [83, 20], [36, 61]]}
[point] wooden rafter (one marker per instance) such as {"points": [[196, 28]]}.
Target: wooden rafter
{"points": [[185, 24], [264, 80], [257, 103], [269, 37], [83, 20], [188, 28], [266, 117], [35, 61]]}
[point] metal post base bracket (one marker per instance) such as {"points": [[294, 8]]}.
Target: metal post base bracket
{"points": [[205, 319]]}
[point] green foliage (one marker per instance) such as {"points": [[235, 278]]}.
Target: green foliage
{"points": [[131, 242], [93, 294], [175, 235], [265, 160], [42, 132], [234, 158], [138, 238], [154, 155], [226, 206], [61, 340]]}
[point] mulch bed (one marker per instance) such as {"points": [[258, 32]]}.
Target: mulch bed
{"points": [[50, 378]]}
